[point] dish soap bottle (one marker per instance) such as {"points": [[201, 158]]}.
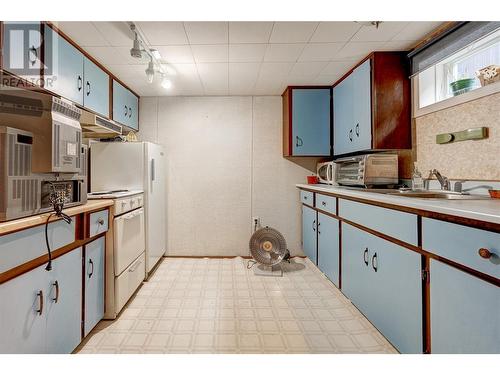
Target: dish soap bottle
{"points": [[417, 182]]}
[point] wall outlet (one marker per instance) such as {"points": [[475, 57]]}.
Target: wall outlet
{"points": [[256, 222]]}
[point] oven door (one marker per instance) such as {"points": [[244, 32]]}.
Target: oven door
{"points": [[129, 239], [324, 172]]}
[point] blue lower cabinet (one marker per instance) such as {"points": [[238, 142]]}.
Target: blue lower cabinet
{"points": [[64, 303], [384, 281], [309, 238], [465, 312], [328, 247], [94, 283]]}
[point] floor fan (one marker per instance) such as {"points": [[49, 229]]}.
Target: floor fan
{"points": [[268, 250]]}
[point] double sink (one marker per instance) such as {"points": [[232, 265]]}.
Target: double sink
{"points": [[426, 194]]}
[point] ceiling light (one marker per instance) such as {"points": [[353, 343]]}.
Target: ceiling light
{"points": [[369, 23], [136, 50], [150, 72], [155, 53], [169, 69], [166, 83]]}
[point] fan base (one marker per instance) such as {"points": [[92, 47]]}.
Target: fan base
{"points": [[262, 270]]}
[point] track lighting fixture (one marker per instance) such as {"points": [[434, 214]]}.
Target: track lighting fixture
{"points": [[150, 71], [136, 50]]}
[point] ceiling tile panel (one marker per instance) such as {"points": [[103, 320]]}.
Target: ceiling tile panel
{"points": [[176, 54], [208, 53], [207, 32], [163, 33], [246, 52], [214, 77], [416, 30], [116, 33], [335, 31], [83, 33], [250, 32], [385, 31], [320, 51], [283, 52], [307, 68], [292, 32]]}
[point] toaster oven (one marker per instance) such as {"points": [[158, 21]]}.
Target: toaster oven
{"points": [[368, 170], [326, 173]]}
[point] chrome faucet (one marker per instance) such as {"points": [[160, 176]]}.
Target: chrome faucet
{"points": [[445, 183]]}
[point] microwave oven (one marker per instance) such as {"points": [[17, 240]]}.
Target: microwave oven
{"points": [[326, 173]]}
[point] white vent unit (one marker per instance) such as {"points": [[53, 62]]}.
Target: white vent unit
{"points": [[94, 126]]}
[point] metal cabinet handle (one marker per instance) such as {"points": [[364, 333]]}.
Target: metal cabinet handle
{"points": [[88, 88], [40, 301], [323, 203], [350, 135], [33, 50], [91, 272], [375, 264], [318, 227], [100, 221], [56, 284], [129, 112], [80, 83], [298, 141], [153, 170], [314, 225], [365, 256], [126, 111], [357, 129], [484, 253]]}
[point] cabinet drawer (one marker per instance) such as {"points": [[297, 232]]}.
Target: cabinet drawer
{"points": [[461, 244], [98, 222], [397, 224], [128, 282], [326, 203], [307, 197], [21, 247]]}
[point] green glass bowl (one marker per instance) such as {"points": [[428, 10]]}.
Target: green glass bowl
{"points": [[462, 85]]}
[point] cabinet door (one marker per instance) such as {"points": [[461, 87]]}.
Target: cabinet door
{"points": [[311, 122], [362, 116], [356, 275], [67, 67], [94, 284], [309, 233], [328, 247], [22, 49], [23, 314], [396, 294], [343, 117], [64, 303], [96, 95], [120, 104], [465, 310], [133, 116]]}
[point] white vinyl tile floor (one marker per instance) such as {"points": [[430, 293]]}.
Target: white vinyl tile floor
{"points": [[219, 306]]}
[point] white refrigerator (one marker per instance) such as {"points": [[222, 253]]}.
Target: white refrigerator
{"points": [[135, 166]]}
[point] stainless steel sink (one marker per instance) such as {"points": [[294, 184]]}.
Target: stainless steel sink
{"points": [[438, 195]]}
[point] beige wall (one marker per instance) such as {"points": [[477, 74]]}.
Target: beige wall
{"points": [[224, 167], [473, 160]]}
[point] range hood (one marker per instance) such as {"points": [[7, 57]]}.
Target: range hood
{"points": [[95, 126]]}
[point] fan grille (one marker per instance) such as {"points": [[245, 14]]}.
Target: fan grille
{"points": [[268, 246]]}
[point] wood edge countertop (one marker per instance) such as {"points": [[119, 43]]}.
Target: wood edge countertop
{"points": [[35, 220]]}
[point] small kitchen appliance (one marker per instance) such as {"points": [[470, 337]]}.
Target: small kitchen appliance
{"points": [[326, 173], [368, 170]]}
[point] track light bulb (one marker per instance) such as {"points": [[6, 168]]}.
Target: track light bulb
{"points": [[166, 83], [150, 72]]}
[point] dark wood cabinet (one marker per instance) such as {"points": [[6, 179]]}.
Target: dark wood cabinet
{"points": [[371, 105]]}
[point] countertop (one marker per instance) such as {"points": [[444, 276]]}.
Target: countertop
{"points": [[483, 210], [31, 221]]}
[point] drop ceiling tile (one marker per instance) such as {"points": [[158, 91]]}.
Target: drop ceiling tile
{"points": [[307, 68], [214, 77], [274, 86], [188, 70], [283, 52], [163, 33], [128, 59], [243, 75], [210, 53], [116, 33], [176, 54], [327, 79], [83, 33], [109, 56], [358, 50], [320, 51], [338, 67], [299, 80], [398, 45], [250, 32], [207, 32], [335, 31], [385, 32], [246, 52], [128, 71], [270, 70], [292, 32], [416, 30]]}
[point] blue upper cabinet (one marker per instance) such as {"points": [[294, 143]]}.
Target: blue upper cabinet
{"points": [[372, 106], [307, 121], [125, 106], [65, 64], [96, 90]]}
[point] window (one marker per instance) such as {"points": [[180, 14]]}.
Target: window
{"points": [[456, 74]]}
